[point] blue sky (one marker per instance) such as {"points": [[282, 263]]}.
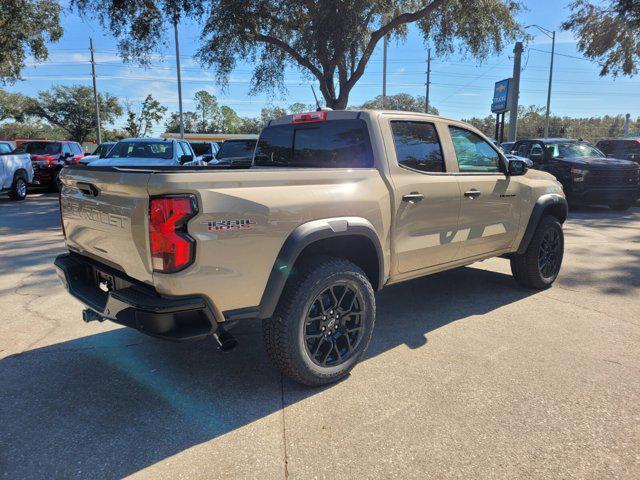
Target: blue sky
{"points": [[461, 87]]}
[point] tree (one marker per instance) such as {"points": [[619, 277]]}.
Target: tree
{"points": [[72, 109], [26, 25], [531, 125], [141, 123], [190, 120], [608, 34], [400, 101], [30, 128], [13, 105], [207, 110], [140, 26], [332, 41]]}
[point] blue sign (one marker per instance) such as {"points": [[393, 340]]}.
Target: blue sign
{"points": [[500, 102]]}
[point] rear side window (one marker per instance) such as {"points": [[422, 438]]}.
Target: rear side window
{"points": [[417, 146], [76, 149], [332, 144], [236, 148]]}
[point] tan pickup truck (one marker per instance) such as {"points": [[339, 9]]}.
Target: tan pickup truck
{"points": [[337, 205]]}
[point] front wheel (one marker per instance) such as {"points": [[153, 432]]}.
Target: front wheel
{"points": [[323, 323], [539, 265], [19, 188]]}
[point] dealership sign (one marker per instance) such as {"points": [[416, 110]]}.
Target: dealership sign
{"points": [[501, 96]]}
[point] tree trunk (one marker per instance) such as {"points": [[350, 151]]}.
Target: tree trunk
{"points": [[339, 103]]}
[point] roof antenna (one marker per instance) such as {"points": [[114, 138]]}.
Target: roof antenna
{"points": [[314, 96]]}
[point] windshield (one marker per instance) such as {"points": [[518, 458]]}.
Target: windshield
{"points": [[574, 150], [236, 148], [39, 148], [162, 150], [201, 148], [102, 149]]}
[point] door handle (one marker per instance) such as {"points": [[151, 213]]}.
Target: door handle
{"points": [[413, 197], [472, 194]]}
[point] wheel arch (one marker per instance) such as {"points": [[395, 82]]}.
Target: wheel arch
{"points": [[352, 238], [549, 204]]}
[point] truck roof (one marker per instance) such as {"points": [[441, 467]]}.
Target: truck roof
{"points": [[350, 114]]}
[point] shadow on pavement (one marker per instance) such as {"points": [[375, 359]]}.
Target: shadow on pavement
{"points": [[110, 404]]}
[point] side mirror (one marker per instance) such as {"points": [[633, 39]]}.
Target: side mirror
{"points": [[185, 158], [207, 157], [67, 155], [517, 167]]}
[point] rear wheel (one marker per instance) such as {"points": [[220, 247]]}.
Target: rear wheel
{"points": [[323, 323], [539, 265], [19, 188], [621, 207]]}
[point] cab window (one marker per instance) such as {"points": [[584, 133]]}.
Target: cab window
{"points": [[474, 154], [417, 146]]}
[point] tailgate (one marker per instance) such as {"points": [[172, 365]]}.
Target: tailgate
{"points": [[105, 217]]}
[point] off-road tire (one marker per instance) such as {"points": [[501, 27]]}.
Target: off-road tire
{"points": [[621, 207], [19, 187], [526, 267], [284, 333]]}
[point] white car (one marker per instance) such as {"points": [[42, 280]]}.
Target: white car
{"points": [[16, 172]]}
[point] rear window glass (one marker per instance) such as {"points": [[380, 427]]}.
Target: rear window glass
{"points": [[163, 150], [201, 148], [236, 148], [332, 144], [39, 148]]}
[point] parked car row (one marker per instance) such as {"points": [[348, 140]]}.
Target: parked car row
{"points": [[38, 163], [608, 173]]}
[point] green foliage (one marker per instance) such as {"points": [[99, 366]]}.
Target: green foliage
{"points": [[26, 26], [400, 101], [608, 33], [531, 125], [333, 41], [140, 26], [140, 123], [31, 128], [330, 41], [13, 105], [208, 111], [72, 109]]}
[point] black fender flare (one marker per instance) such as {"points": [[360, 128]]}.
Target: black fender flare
{"points": [[542, 204], [303, 236]]}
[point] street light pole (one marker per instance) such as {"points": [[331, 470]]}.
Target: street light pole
{"points": [[552, 36], [95, 94], [546, 117], [175, 31]]}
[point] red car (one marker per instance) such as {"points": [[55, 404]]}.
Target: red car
{"points": [[48, 157]]}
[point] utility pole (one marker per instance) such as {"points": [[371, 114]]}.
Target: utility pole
{"points": [[175, 31], [515, 92], [426, 97], [95, 93], [384, 71], [546, 116]]}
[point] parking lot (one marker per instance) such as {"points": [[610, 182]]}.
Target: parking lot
{"points": [[468, 376]]}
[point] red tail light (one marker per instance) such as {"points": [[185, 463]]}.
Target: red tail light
{"points": [[172, 249], [309, 117]]}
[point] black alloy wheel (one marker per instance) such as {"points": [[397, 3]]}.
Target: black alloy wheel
{"points": [[333, 327]]}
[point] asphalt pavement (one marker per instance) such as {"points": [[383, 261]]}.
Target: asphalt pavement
{"points": [[468, 376]]}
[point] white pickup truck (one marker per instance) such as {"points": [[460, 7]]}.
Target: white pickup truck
{"points": [[16, 172]]}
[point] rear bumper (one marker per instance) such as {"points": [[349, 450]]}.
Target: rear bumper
{"points": [[135, 305]]}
